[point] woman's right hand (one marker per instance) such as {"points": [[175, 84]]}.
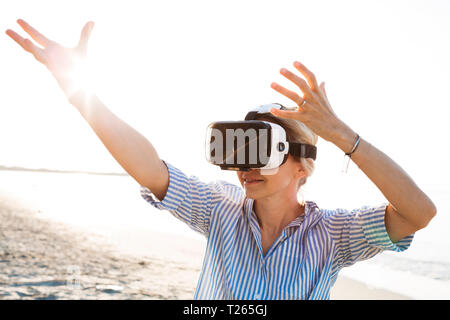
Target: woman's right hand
{"points": [[64, 63]]}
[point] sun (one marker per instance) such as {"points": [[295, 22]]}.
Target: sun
{"points": [[82, 77]]}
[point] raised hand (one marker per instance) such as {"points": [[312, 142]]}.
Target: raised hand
{"points": [[65, 64], [314, 109]]}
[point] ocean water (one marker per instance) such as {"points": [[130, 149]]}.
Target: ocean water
{"points": [[111, 206]]}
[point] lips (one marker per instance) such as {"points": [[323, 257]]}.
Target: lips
{"points": [[248, 181]]}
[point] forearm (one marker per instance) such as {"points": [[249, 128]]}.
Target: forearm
{"points": [[132, 151], [396, 185]]}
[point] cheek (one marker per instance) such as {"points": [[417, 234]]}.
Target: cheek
{"points": [[275, 183], [278, 181], [269, 172]]}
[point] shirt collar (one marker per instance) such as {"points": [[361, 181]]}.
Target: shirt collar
{"points": [[310, 207]]}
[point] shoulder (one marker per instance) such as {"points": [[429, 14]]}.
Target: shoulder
{"points": [[331, 219], [225, 197], [227, 190]]}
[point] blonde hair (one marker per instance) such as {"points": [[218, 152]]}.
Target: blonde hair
{"points": [[296, 131]]}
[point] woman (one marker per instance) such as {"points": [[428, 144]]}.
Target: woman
{"points": [[262, 243]]}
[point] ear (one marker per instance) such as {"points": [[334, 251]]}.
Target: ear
{"points": [[300, 170]]}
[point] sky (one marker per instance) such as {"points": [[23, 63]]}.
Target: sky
{"points": [[170, 68]]}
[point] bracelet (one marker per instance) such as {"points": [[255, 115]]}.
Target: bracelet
{"points": [[355, 146]]}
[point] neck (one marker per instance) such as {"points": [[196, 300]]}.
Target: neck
{"points": [[274, 213]]}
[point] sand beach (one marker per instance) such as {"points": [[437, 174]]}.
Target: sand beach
{"points": [[45, 259]]}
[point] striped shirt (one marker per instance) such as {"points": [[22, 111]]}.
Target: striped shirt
{"points": [[302, 263]]}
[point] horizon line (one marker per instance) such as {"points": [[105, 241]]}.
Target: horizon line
{"points": [[14, 168]]}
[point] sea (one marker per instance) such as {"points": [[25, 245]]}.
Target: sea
{"points": [[111, 206]]}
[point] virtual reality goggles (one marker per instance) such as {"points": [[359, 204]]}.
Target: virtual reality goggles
{"points": [[252, 144]]}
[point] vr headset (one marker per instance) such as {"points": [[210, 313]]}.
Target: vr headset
{"points": [[252, 144]]}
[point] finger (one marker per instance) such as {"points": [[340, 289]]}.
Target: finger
{"points": [[37, 52], [27, 45], [37, 36], [322, 87], [301, 83], [288, 93], [17, 38], [310, 77], [84, 38]]}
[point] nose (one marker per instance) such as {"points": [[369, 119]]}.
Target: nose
{"points": [[251, 173], [248, 171]]}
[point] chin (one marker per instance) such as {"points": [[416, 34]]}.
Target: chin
{"points": [[253, 194]]}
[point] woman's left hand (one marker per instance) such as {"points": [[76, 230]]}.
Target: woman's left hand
{"points": [[314, 109]]}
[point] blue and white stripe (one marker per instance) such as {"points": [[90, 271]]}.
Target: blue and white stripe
{"points": [[302, 263]]}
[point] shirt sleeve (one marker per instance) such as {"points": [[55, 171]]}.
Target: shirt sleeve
{"points": [[361, 234], [189, 199]]}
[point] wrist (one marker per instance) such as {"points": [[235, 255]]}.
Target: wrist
{"points": [[345, 138], [81, 100]]}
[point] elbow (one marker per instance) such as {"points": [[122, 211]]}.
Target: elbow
{"points": [[428, 215], [433, 212]]}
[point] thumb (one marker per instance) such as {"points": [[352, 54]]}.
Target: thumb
{"points": [[84, 38], [285, 114]]}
